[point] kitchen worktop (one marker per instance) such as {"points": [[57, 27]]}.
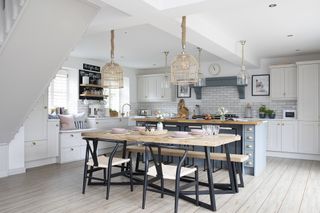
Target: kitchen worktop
{"points": [[201, 121]]}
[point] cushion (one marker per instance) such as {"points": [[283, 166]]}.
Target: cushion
{"points": [[66, 122], [80, 117]]}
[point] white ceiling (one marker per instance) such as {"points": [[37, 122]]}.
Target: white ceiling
{"points": [[136, 47], [153, 26]]}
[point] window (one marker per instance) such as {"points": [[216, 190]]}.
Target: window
{"points": [[118, 97], [58, 91]]}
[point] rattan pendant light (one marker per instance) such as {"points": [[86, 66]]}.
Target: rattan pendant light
{"points": [[112, 73], [184, 68], [243, 76]]}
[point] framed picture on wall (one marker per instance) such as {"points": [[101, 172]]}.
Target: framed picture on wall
{"points": [[260, 85], [183, 91]]}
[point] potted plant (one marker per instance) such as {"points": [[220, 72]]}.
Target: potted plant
{"points": [[271, 114], [262, 111]]}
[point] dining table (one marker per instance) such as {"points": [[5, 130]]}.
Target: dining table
{"points": [[204, 142]]}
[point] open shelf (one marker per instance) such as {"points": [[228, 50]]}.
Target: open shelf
{"points": [[91, 85]]}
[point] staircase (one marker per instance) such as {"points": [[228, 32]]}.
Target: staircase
{"points": [[36, 37], [9, 13]]}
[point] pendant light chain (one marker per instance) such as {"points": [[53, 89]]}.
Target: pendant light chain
{"points": [[112, 45], [243, 42]]}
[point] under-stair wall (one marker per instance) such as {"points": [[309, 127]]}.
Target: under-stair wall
{"points": [[36, 36]]}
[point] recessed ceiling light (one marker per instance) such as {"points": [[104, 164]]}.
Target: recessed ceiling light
{"points": [[272, 5], [290, 35]]}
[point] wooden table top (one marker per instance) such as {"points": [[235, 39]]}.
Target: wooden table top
{"points": [[134, 136], [199, 121]]}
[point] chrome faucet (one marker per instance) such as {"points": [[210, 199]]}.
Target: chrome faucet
{"points": [[122, 109]]}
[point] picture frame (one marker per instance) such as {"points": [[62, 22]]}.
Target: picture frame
{"points": [[260, 85], [183, 91]]}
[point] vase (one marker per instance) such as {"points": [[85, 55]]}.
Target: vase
{"points": [[222, 118], [159, 126]]}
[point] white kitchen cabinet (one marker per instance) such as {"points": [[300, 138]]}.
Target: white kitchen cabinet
{"points": [[274, 136], [282, 136], [289, 139], [308, 91], [36, 150], [151, 88], [35, 126], [107, 123], [309, 137], [53, 137], [283, 82]]}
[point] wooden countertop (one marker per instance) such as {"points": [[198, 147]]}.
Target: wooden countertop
{"points": [[199, 121], [134, 136]]}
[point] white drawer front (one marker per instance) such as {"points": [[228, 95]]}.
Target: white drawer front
{"points": [[70, 140], [35, 150], [70, 154]]}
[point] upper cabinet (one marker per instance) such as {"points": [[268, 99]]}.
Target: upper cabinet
{"points": [[308, 90], [283, 82], [151, 88]]}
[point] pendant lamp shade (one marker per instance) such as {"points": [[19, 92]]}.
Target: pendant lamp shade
{"points": [[185, 67], [112, 73]]}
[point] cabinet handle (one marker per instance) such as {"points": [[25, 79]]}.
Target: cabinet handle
{"points": [[71, 149], [162, 96], [34, 143], [249, 146], [71, 135], [57, 125], [45, 107], [97, 122]]}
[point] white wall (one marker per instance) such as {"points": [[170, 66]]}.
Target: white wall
{"points": [[16, 154], [40, 41]]}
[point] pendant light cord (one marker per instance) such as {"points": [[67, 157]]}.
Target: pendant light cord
{"points": [[242, 58], [112, 45], [183, 26]]}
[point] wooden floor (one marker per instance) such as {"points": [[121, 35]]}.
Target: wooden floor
{"points": [[285, 186]]}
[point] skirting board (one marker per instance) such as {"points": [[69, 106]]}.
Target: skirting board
{"points": [[42, 162], [294, 155], [16, 171]]}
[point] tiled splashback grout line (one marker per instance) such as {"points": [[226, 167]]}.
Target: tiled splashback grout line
{"points": [[215, 97]]}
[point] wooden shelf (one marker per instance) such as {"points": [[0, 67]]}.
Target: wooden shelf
{"points": [[95, 96], [91, 85]]}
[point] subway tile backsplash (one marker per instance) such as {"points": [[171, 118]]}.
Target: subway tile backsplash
{"points": [[215, 97]]}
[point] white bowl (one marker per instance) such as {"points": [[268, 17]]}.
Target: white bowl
{"points": [[118, 131], [180, 135]]}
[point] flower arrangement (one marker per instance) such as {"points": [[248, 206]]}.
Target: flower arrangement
{"points": [[222, 112]]}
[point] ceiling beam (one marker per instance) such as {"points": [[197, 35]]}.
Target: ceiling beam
{"points": [[221, 45]]}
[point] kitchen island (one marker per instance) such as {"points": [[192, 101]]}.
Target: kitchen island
{"points": [[253, 136]]}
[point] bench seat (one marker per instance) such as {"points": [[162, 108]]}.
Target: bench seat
{"points": [[237, 158]]}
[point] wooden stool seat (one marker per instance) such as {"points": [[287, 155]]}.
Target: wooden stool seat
{"points": [[103, 161], [169, 171]]}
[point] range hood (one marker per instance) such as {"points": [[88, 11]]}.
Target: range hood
{"points": [[220, 82]]}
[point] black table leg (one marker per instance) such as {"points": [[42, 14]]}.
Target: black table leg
{"points": [[231, 169], [210, 180]]}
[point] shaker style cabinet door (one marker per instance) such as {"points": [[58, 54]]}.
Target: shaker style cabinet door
{"points": [[290, 83], [53, 138], [308, 137], [289, 136], [277, 83], [35, 126], [308, 92], [274, 136]]}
